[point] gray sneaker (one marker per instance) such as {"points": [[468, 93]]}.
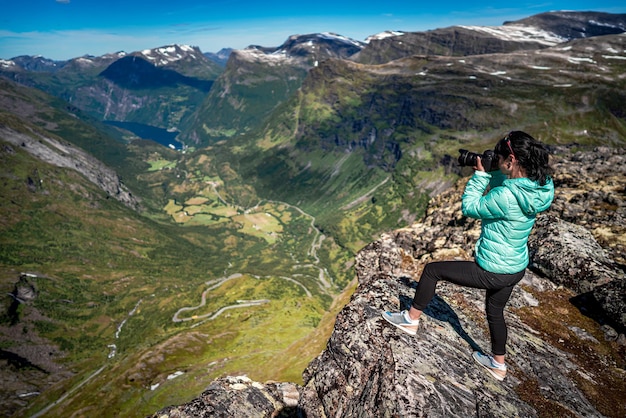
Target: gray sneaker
{"points": [[402, 320], [499, 372]]}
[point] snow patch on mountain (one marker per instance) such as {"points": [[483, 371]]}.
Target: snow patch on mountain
{"points": [[340, 38], [6, 63], [85, 61], [168, 54], [518, 33], [607, 25], [579, 60], [274, 58], [383, 35]]}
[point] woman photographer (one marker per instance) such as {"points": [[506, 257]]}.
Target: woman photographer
{"points": [[517, 191]]}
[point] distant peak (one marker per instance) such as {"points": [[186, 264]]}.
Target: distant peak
{"points": [[383, 35], [170, 53], [309, 48]]}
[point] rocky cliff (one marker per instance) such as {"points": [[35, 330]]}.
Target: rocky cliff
{"points": [[566, 321], [63, 154]]}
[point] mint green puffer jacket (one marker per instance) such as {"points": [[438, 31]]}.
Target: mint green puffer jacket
{"points": [[508, 213]]}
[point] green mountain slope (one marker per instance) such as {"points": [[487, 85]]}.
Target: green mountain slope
{"points": [[246, 92], [360, 146], [104, 304]]}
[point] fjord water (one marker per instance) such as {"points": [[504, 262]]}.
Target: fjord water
{"points": [[153, 133]]}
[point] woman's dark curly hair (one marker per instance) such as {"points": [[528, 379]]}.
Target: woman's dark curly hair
{"points": [[531, 154]]}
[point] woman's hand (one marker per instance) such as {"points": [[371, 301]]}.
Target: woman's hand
{"points": [[479, 165]]}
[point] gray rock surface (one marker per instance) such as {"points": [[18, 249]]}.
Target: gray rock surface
{"points": [[226, 398]]}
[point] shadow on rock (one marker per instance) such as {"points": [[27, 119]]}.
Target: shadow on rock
{"points": [[440, 310]]}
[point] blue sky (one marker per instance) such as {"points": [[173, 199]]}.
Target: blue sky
{"points": [[63, 29]]}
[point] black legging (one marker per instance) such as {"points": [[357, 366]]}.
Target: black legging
{"points": [[470, 274]]}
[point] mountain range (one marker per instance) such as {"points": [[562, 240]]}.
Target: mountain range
{"points": [[135, 273]]}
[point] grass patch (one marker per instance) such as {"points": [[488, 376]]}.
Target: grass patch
{"points": [[157, 165]]}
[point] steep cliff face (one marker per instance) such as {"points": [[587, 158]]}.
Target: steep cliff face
{"points": [[63, 154], [566, 343]]}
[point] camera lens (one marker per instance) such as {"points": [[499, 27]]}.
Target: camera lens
{"points": [[467, 158]]}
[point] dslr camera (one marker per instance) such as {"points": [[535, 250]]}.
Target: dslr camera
{"points": [[488, 158]]}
